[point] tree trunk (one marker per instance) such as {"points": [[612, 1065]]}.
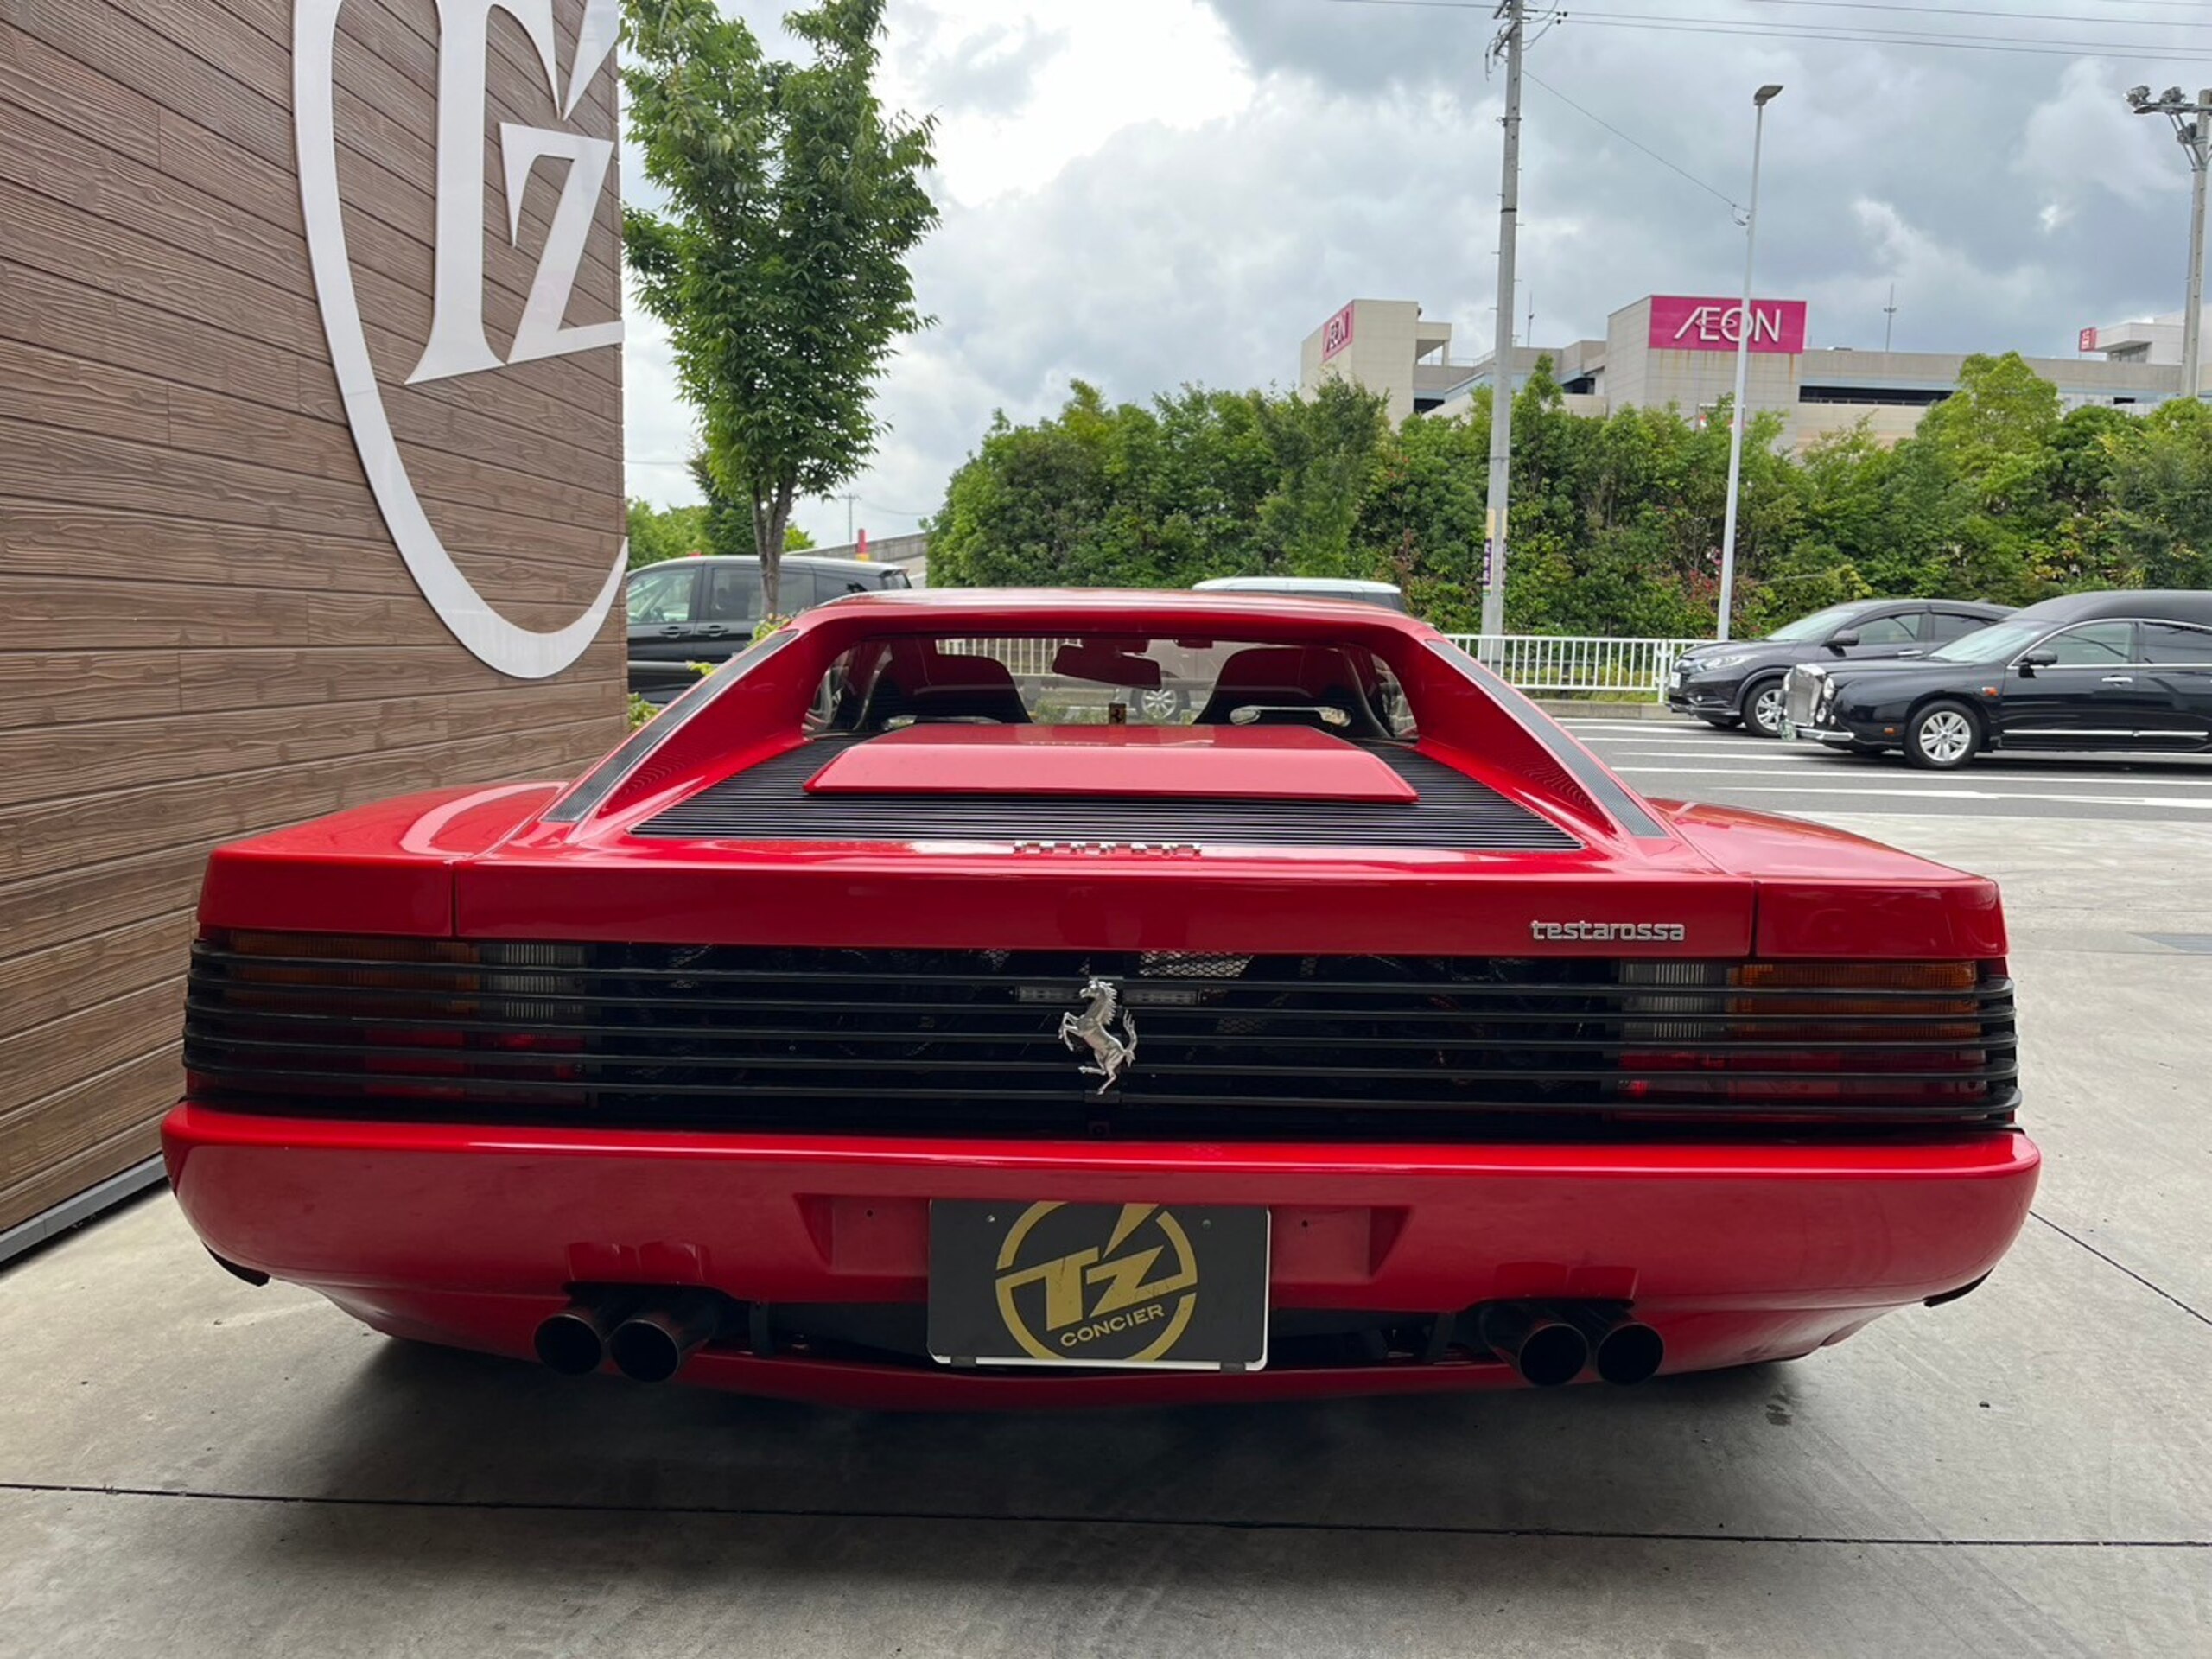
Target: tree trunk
{"points": [[769, 519]]}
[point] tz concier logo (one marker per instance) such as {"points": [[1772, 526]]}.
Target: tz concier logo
{"points": [[1067, 1294], [456, 343]]}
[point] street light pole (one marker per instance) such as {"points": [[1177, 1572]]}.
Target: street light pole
{"points": [[2193, 128], [1501, 362], [1743, 331]]}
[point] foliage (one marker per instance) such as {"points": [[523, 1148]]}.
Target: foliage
{"points": [[657, 533], [1616, 522], [779, 261]]}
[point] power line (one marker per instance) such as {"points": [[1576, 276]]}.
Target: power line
{"points": [[1870, 34], [1846, 31], [1634, 143], [2125, 50], [2009, 16]]}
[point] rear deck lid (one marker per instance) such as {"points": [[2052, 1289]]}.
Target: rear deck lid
{"points": [[1284, 763]]}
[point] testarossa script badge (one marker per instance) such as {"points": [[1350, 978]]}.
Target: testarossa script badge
{"points": [[1664, 932]]}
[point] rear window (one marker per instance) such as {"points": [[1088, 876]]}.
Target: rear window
{"points": [[882, 685]]}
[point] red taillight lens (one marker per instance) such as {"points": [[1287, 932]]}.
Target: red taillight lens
{"points": [[417, 1015], [1810, 1033]]}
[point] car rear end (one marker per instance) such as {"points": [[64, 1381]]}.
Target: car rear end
{"points": [[934, 1088]]}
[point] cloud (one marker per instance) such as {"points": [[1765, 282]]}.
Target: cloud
{"points": [[1161, 191], [992, 72]]}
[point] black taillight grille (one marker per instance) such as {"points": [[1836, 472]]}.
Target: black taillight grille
{"points": [[952, 1042]]}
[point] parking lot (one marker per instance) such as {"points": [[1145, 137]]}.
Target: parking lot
{"points": [[188, 1466], [1688, 760]]}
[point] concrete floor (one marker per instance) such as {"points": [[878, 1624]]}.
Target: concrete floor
{"points": [[189, 1466]]}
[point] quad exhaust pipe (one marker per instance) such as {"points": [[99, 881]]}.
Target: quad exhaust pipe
{"points": [[648, 1335], [1549, 1344]]}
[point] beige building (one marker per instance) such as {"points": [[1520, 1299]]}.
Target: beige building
{"points": [[1386, 346], [1679, 351]]}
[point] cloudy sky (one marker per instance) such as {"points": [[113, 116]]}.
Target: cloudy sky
{"points": [[1142, 193]]}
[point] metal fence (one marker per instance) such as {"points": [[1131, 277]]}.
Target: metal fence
{"points": [[1535, 662], [1577, 663]]}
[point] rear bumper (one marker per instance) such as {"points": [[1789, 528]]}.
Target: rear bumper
{"points": [[470, 1235]]}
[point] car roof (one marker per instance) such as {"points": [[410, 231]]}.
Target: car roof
{"points": [[2152, 604], [1293, 585], [811, 561], [1049, 607], [1971, 606]]}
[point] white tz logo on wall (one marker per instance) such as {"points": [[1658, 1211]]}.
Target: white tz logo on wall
{"points": [[457, 344]]}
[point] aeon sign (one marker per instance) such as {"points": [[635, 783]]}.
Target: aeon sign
{"points": [[1693, 323], [1336, 333], [457, 345]]}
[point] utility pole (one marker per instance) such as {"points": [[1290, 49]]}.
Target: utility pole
{"points": [[1744, 328], [849, 518], [2193, 129], [1889, 319], [1501, 375]]}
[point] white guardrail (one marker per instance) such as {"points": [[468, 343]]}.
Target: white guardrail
{"points": [[1539, 663], [1535, 663]]}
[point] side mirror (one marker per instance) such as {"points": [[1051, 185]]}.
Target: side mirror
{"points": [[2044, 656], [1843, 638]]}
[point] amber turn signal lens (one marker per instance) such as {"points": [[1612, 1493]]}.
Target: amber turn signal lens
{"points": [[1856, 975]]}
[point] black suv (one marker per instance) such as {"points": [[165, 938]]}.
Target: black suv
{"points": [[1740, 682], [704, 610]]}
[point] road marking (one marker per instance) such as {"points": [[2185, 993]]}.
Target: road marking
{"points": [[2010, 777], [2201, 805], [1656, 727], [1639, 751]]}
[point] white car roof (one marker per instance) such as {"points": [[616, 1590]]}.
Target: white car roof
{"points": [[1292, 585]]}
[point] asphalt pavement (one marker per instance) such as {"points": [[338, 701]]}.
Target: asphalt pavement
{"points": [[1682, 759]]}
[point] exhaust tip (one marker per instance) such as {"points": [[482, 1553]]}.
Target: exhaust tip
{"points": [[569, 1342], [1631, 1352], [652, 1346], [643, 1351], [1546, 1351], [1553, 1354]]}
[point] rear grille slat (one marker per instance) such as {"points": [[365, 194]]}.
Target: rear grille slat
{"points": [[945, 1042], [769, 802]]}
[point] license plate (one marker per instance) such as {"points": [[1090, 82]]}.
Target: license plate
{"points": [[1169, 1286]]}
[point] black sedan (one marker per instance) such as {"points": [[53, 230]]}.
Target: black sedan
{"points": [[2081, 673], [1740, 682]]}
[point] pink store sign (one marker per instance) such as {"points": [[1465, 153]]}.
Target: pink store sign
{"points": [[1683, 323], [1336, 333]]}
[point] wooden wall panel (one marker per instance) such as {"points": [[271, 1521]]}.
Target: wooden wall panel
{"points": [[205, 630]]}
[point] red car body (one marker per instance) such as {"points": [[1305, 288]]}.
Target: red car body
{"points": [[438, 1072]]}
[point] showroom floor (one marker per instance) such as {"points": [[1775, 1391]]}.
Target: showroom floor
{"points": [[190, 1466]]}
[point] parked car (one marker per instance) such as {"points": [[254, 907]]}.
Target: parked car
{"points": [[1387, 595], [1740, 682], [2128, 671], [1362, 1034], [704, 610]]}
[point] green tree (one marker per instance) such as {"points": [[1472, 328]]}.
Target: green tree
{"points": [[779, 261], [1616, 521], [2161, 492], [657, 533]]}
